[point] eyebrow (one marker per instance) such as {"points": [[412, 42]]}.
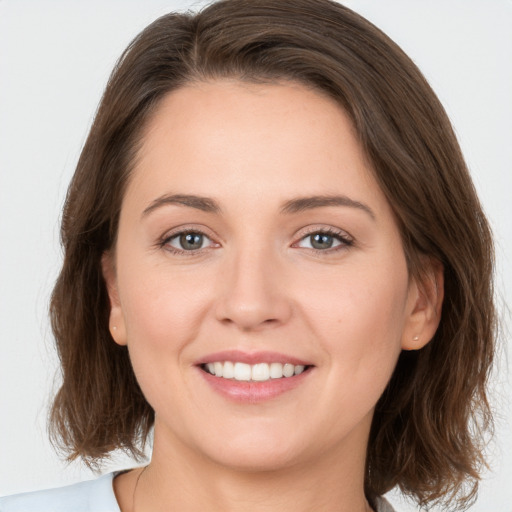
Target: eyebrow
{"points": [[297, 205], [308, 203], [204, 204]]}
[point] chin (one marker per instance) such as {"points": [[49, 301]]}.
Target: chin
{"points": [[256, 452], [257, 461]]}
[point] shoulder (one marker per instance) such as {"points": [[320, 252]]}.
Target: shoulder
{"points": [[90, 496]]}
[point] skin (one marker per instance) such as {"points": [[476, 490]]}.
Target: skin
{"points": [[257, 284]]}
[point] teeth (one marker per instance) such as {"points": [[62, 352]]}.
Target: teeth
{"points": [[299, 369], [276, 370], [228, 372], [260, 372], [257, 372], [288, 370], [242, 371], [218, 369]]}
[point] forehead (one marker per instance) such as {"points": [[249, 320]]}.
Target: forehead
{"points": [[275, 139]]}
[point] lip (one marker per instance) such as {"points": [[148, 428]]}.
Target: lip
{"points": [[237, 356], [251, 392]]}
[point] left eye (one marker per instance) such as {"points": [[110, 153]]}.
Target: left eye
{"points": [[322, 241], [189, 241]]}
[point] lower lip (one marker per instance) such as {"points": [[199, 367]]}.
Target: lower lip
{"points": [[253, 391]]}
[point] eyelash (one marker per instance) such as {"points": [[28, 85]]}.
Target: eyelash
{"points": [[165, 242], [345, 241]]}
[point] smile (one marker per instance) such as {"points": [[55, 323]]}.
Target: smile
{"points": [[259, 372], [253, 377]]}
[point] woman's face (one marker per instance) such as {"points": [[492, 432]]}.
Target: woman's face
{"points": [[253, 237]]}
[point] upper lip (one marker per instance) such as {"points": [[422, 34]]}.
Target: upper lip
{"points": [[251, 358]]}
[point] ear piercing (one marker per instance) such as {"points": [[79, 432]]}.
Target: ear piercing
{"points": [[416, 338]]}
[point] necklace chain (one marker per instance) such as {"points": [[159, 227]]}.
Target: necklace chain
{"points": [[135, 488]]}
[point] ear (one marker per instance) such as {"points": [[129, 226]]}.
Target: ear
{"points": [[425, 302], [117, 325]]}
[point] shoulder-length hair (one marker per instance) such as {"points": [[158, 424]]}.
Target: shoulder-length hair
{"points": [[426, 435]]}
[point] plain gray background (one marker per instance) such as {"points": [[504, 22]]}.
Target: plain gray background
{"points": [[55, 57]]}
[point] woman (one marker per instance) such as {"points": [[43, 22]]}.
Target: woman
{"points": [[274, 256]]}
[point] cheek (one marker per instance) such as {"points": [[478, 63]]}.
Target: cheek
{"points": [[160, 305], [163, 315], [359, 316], [161, 322]]}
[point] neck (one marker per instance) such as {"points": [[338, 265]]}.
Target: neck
{"points": [[188, 481]]}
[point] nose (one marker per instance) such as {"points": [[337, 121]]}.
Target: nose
{"points": [[254, 293]]}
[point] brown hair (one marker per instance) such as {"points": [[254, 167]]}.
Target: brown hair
{"points": [[427, 430]]}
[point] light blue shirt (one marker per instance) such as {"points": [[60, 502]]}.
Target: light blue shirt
{"points": [[90, 496]]}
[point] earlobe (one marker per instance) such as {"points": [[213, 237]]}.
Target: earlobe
{"points": [[426, 300], [116, 319]]}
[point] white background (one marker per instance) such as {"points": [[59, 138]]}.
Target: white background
{"points": [[55, 57]]}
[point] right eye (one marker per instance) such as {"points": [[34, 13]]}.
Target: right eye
{"points": [[188, 241]]}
